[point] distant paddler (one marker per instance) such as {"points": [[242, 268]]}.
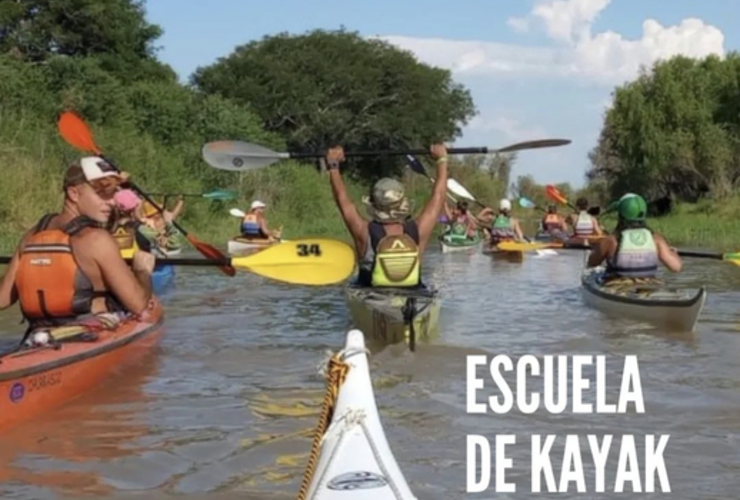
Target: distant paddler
{"points": [[158, 226], [584, 224], [633, 251], [553, 224], [504, 226], [461, 223], [254, 224]]}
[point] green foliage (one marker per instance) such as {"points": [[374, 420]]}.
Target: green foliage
{"points": [[673, 131], [115, 31], [325, 88]]}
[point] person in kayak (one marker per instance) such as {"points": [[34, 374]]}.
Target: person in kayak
{"points": [[389, 246], [504, 227], [461, 223], [584, 224], [68, 268], [158, 227], [254, 224], [554, 224], [125, 227], [633, 251]]}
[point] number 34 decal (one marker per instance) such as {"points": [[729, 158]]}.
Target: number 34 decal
{"points": [[306, 250]]}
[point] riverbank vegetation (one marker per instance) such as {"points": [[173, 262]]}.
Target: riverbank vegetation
{"points": [[671, 134]]}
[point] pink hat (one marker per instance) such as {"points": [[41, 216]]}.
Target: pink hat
{"points": [[127, 200]]}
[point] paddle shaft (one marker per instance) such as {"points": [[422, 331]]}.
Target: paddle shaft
{"points": [[393, 152], [682, 253]]}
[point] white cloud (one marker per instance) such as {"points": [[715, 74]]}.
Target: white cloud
{"points": [[605, 58], [511, 129]]}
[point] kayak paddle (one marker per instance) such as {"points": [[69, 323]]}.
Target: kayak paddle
{"points": [[527, 203], [460, 191], [732, 257], [306, 261], [218, 194], [418, 167], [237, 213], [76, 132], [239, 156]]}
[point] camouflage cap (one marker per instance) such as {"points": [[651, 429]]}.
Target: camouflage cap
{"points": [[388, 201]]}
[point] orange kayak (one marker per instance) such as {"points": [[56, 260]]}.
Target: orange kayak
{"points": [[35, 380]]}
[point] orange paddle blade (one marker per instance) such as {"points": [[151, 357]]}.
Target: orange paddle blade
{"points": [[211, 252], [74, 130], [555, 195]]}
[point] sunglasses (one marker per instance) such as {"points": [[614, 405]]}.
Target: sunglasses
{"points": [[106, 189]]}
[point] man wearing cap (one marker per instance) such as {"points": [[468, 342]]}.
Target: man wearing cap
{"points": [[633, 250], [390, 245], [254, 224], [68, 266]]}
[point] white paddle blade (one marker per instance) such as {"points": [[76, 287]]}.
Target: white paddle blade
{"points": [[458, 189], [239, 156], [236, 212]]}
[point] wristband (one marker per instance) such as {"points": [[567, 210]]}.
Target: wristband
{"points": [[442, 160], [332, 165]]}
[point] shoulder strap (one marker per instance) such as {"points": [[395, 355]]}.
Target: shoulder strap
{"points": [[377, 233], [43, 223], [78, 224], [411, 228]]}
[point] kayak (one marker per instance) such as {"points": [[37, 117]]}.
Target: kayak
{"points": [[162, 277], [240, 244], [508, 255], [450, 244], [36, 379], [649, 300], [379, 312], [350, 456]]}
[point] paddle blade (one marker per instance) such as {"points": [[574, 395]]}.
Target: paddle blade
{"points": [[221, 195], [555, 195], [239, 156], [304, 261], [74, 130], [213, 253], [459, 190], [236, 212], [526, 203], [416, 165], [542, 143], [517, 246]]}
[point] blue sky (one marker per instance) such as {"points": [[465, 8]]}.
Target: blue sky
{"points": [[535, 68]]}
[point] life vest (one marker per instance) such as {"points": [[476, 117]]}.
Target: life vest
{"points": [[130, 239], [251, 226], [551, 222], [391, 260], [51, 286], [636, 255], [584, 225], [502, 229]]}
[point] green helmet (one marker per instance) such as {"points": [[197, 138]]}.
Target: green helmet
{"points": [[632, 207]]}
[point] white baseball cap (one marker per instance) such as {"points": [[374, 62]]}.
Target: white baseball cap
{"points": [[504, 204], [92, 168], [258, 204]]}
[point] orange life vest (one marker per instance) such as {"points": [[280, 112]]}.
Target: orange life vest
{"points": [[51, 286]]}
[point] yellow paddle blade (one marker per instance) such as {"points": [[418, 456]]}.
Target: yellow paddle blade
{"points": [[304, 261], [523, 246]]}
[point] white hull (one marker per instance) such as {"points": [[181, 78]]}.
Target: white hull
{"points": [[355, 461]]}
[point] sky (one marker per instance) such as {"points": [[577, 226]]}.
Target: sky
{"points": [[535, 68]]}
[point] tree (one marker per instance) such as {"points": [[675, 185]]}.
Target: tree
{"points": [[673, 132], [325, 88], [114, 31]]}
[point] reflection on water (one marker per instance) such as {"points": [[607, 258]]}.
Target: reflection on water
{"points": [[228, 403]]}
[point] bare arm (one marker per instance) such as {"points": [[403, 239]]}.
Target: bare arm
{"points": [[448, 212], [428, 217], [668, 257], [517, 229], [601, 251], [132, 288], [8, 292], [356, 225], [597, 227]]}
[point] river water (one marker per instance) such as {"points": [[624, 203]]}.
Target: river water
{"points": [[226, 406]]}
